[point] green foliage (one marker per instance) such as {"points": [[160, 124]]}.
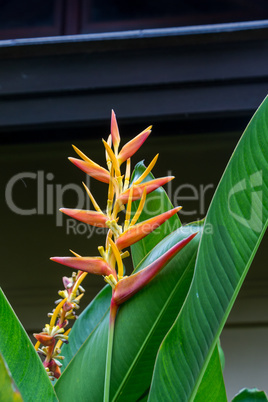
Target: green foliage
{"points": [[212, 386], [23, 362], [250, 395]]}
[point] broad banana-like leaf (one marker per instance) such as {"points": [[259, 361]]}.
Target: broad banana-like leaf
{"points": [[234, 227], [23, 362]]}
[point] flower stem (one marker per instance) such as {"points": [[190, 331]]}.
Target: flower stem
{"points": [[113, 311]]}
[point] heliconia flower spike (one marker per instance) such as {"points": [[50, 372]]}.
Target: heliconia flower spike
{"points": [[92, 169], [139, 231], [132, 146], [130, 285], [122, 231], [138, 190], [93, 265], [93, 218], [115, 132]]}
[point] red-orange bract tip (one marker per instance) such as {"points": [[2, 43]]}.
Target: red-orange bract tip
{"points": [[93, 218], [132, 146], [149, 186], [44, 338], [140, 230], [130, 285], [93, 265], [92, 169], [114, 130]]}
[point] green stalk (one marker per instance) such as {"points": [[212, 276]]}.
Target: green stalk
{"points": [[113, 311]]}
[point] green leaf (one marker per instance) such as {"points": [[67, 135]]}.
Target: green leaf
{"points": [[212, 383], [221, 355], [157, 202], [23, 362], [235, 224], [250, 395], [141, 324], [8, 389]]}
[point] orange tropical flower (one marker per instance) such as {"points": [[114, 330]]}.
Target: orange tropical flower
{"points": [[132, 146], [130, 285], [115, 132], [93, 265], [149, 186], [140, 230], [121, 233], [92, 169], [93, 218]]}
